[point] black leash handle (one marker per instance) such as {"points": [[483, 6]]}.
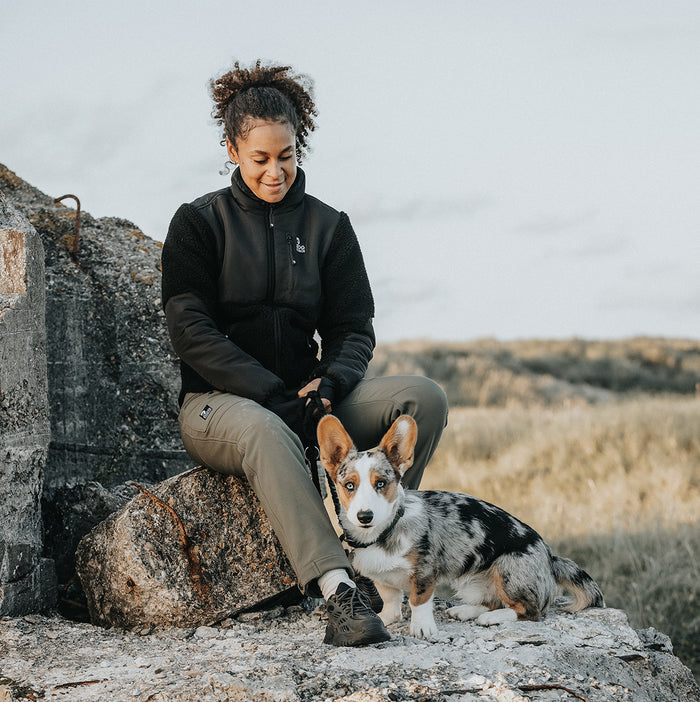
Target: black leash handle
{"points": [[312, 415], [311, 455]]}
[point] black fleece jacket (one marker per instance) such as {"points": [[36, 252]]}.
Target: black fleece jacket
{"points": [[246, 285]]}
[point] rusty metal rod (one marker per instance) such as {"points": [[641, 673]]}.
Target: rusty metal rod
{"points": [[167, 507], [76, 239]]}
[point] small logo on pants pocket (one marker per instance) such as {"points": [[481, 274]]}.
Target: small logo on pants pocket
{"points": [[205, 412]]}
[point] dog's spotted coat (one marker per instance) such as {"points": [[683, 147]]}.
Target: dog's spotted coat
{"points": [[415, 541]]}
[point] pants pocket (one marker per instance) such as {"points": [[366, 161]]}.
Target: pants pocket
{"points": [[200, 413]]}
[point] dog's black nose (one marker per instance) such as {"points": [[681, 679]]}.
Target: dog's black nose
{"points": [[365, 516]]}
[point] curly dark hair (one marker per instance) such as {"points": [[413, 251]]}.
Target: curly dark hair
{"points": [[271, 93]]}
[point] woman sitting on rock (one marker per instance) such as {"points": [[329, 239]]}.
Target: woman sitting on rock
{"points": [[252, 274]]}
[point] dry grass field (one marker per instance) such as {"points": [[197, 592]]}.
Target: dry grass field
{"points": [[606, 468]]}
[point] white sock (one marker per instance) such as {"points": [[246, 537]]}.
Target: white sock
{"points": [[330, 580]]}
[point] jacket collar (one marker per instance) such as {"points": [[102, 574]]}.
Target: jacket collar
{"points": [[247, 200]]}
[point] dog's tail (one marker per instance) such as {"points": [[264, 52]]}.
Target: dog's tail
{"points": [[584, 589]]}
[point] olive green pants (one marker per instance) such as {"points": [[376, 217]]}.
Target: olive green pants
{"points": [[237, 436]]}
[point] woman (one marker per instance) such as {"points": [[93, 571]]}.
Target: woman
{"points": [[250, 274]]}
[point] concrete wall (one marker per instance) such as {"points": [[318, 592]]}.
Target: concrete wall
{"points": [[113, 377], [27, 581]]}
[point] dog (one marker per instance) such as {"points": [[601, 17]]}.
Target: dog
{"points": [[499, 568]]}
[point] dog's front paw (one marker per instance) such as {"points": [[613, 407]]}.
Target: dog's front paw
{"points": [[393, 599], [423, 628], [390, 613], [423, 624]]}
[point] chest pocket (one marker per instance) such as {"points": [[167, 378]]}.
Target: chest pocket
{"points": [[298, 274]]}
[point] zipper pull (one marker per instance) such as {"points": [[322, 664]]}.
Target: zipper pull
{"points": [[291, 249]]}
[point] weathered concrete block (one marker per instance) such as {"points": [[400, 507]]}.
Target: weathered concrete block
{"points": [[34, 592], [196, 550], [72, 512], [13, 261], [113, 376], [26, 582], [16, 561]]}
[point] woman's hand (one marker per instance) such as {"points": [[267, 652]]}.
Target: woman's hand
{"points": [[313, 385]]}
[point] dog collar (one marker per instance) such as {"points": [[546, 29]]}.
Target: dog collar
{"points": [[382, 538]]}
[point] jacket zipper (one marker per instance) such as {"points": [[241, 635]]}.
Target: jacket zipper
{"points": [[271, 276], [290, 246], [271, 270]]}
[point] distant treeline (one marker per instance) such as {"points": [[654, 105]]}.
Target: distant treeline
{"points": [[546, 372]]}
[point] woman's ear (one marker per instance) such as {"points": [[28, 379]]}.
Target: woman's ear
{"points": [[232, 153]]}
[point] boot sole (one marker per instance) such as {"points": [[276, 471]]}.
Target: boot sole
{"points": [[335, 638]]}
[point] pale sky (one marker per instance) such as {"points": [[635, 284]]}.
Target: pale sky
{"points": [[512, 169]]}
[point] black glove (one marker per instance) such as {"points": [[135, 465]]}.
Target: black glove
{"points": [[326, 389], [300, 414], [290, 408], [313, 411]]}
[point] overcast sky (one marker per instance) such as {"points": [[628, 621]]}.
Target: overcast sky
{"points": [[512, 169]]}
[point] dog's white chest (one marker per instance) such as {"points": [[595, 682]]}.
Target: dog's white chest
{"points": [[374, 563]]}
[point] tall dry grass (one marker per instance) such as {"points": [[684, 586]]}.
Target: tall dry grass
{"points": [[488, 373], [615, 486]]}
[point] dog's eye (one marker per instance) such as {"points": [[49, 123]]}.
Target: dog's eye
{"points": [[380, 484], [349, 486]]}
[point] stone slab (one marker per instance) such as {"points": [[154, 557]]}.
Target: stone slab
{"points": [[279, 656]]}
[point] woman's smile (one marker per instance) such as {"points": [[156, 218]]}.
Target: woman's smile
{"points": [[267, 159]]}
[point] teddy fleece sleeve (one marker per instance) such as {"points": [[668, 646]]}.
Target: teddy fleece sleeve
{"points": [[345, 327], [190, 272]]}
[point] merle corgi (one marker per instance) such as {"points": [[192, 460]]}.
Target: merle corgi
{"points": [[498, 568]]}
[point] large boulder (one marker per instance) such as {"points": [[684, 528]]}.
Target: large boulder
{"points": [[190, 551]]}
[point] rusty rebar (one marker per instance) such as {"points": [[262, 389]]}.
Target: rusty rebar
{"points": [[194, 567], [168, 508], [76, 238]]}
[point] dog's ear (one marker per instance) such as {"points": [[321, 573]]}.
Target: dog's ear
{"points": [[334, 444], [398, 443]]}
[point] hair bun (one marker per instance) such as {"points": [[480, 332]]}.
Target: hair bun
{"points": [[232, 107]]}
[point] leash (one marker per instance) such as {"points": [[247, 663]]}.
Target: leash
{"points": [[312, 415], [334, 495], [311, 456]]}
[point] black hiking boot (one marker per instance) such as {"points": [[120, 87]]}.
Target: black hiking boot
{"points": [[367, 586], [351, 621]]}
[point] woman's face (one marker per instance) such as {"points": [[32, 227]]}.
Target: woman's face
{"points": [[267, 159]]}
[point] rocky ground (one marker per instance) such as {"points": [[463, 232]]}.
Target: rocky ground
{"points": [[279, 656]]}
